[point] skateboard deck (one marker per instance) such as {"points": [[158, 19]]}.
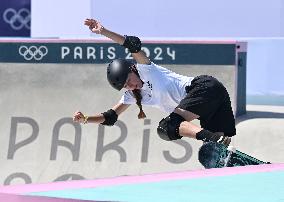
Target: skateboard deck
{"points": [[216, 155]]}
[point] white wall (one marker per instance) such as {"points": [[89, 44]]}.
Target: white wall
{"points": [[161, 18], [265, 67], [191, 18], [282, 19], [59, 18]]}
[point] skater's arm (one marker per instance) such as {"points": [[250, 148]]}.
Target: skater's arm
{"points": [[111, 115], [97, 28]]}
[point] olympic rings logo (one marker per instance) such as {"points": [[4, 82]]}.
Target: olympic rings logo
{"points": [[17, 20], [33, 52]]}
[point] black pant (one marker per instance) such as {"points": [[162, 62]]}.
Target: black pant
{"points": [[208, 98]]}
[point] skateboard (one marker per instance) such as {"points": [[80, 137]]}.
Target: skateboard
{"points": [[216, 155]]}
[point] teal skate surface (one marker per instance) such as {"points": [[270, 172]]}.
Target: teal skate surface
{"points": [[235, 184]]}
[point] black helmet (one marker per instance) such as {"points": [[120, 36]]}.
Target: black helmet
{"points": [[117, 72]]}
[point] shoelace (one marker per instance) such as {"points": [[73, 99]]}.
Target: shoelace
{"points": [[221, 139]]}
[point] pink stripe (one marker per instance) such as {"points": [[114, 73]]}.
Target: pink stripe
{"points": [[19, 198], [55, 41], [161, 41], [140, 179], [189, 42]]}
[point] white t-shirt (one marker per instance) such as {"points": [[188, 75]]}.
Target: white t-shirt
{"points": [[162, 88]]}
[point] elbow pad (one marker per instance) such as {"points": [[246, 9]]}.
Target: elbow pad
{"points": [[110, 117], [133, 43]]}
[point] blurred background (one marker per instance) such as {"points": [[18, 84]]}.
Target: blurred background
{"points": [[51, 65]]}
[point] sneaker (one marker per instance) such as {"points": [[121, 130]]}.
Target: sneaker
{"points": [[217, 137], [224, 140]]}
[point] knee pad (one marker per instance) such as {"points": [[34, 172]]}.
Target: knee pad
{"points": [[168, 128]]}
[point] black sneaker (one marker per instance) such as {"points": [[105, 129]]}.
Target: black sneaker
{"points": [[224, 140]]}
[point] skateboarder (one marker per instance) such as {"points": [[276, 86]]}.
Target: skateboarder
{"points": [[185, 98]]}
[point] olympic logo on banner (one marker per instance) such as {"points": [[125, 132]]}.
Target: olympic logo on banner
{"points": [[17, 19], [33, 52]]}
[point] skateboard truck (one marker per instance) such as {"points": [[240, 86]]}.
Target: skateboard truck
{"points": [[231, 150]]}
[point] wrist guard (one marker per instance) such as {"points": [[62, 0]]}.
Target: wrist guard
{"points": [[110, 117], [133, 43]]}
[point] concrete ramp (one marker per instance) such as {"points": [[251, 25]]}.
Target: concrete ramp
{"points": [[21, 198], [43, 82]]}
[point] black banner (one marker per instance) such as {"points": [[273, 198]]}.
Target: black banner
{"points": [[203, 54]]}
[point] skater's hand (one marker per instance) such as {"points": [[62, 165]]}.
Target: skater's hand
{"points": [[94, 25], [79, 117]]}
